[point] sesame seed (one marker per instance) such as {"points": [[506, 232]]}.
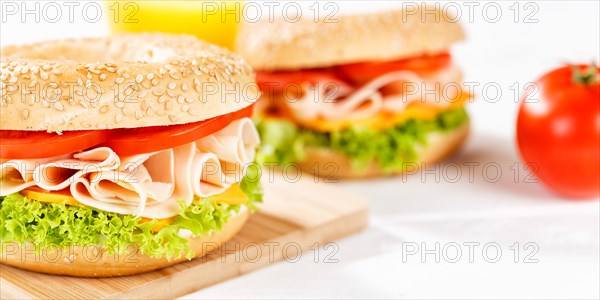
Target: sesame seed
{"points": [[173, 118], [184, 87], [104, 109], [119, 80], [168, 105], [150, 76], [172, 85], [180, 99], [185, 108], [25, 113], [139, 78], [102, 77], [59, 106], [118, 118], [139, 115]]}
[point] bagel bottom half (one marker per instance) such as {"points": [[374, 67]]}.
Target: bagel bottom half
{"points": [[96, 262], [439, 146]]}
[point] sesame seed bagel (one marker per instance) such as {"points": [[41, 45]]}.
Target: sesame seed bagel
{"points": [[384, 36], [97, 262], [121, 81]]}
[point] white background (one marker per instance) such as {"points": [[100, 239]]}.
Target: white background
{"points": [[414, 209]]}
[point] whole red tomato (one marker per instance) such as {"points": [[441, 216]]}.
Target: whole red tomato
{"points": [[558, 130]]}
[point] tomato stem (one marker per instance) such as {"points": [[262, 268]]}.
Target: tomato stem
{"points": [[588, 77]]}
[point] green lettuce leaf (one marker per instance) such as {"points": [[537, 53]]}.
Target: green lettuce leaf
{"points": [[283, 142], [56, 224]]}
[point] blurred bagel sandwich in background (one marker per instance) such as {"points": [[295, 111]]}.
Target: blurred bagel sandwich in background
{"points": [[365, 95]]}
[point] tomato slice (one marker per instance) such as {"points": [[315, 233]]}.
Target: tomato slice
{"points": [[362, 72], [279, 81], [18, 144], [156, 138]]}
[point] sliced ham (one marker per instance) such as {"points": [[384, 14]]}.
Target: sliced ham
{"points": [[366, 101], [148, 185]]}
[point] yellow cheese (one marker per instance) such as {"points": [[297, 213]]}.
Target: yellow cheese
{"points": [[419, 111], [213, 21], [160, 224], [63, 196], [233, 196]]}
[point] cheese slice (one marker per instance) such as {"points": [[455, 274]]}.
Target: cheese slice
{"points": [[38, 194], [233, 196], [160, 224], [386, 119]]}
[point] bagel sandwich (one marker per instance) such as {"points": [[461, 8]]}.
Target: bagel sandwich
{"points": [[368, 95], [123, 154]]}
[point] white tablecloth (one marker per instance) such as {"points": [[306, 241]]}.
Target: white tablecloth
{"points": [[415, 213]]}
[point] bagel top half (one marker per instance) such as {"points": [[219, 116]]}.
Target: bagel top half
{"points": [[281, 44], [121, 81]]}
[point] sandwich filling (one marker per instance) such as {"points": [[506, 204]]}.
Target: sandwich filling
{"points": [[100, 197], [380, 112]]}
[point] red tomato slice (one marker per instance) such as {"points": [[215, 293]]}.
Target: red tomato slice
{"points": [[18, 144], [156, 138], [362, 72], [279, 81]]}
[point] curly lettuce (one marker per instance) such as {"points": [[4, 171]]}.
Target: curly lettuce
{"points": [[391, 148], [60, 225]]}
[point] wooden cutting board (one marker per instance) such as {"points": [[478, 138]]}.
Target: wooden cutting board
{"points": [[293, 216]]}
